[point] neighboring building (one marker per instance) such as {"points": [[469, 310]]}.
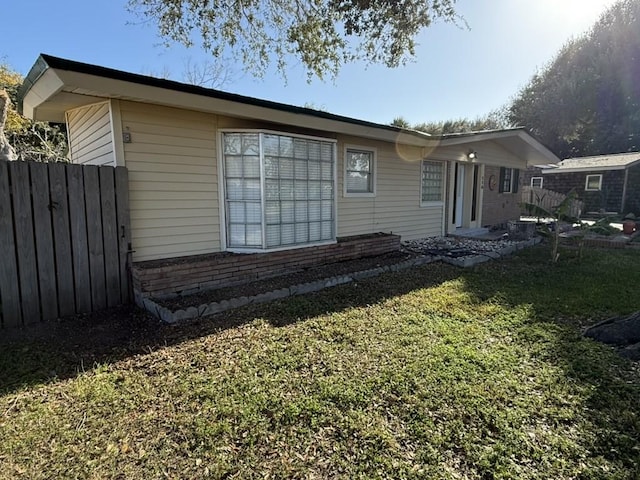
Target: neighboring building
{"points": [[609, 183], [211, 171]]}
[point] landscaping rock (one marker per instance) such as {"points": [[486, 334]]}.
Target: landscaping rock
{"points": [[617, 330]]}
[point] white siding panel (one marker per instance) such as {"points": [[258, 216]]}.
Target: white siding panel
{"points": [[173, 181], [488, 153], [396, 206], [90, 138]]}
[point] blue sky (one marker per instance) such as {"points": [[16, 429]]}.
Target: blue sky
{"points": [[457, 72]]}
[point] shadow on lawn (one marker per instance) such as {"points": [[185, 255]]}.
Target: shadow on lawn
{"points": [[71, 346], [62, 349], [560, 296], [578, 294]]}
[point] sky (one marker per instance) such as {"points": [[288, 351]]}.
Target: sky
{"points": [[457, 72]]}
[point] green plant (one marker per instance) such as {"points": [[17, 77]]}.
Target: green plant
{"points": [[559, 213]]}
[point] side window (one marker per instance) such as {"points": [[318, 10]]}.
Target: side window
{"points": [[536, 182], [359, 174], [509, 178], [593, 183], [432, 182]]}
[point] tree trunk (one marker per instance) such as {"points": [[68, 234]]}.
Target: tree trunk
{"points": [[6, 151]]}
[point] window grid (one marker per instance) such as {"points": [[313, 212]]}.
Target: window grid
{"points": [[297, 184], [358, 167], [243, 205], [536, 182], [432, 181], [506, 183]]}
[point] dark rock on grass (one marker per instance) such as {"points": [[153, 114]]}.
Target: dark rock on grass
{"points": [[617, 331], [621, 332]]}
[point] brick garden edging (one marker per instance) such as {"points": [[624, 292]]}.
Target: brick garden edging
{"points": [[191, 313], [204, 310], [187, 275]]}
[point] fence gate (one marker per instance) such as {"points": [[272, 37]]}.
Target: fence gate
{"points": [[64, 240]]}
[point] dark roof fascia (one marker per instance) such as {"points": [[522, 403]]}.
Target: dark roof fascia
{"points": [[39, 68], [47, 61], [447, 136]]}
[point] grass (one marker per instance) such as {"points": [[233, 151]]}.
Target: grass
{"points": [[433, 373]]}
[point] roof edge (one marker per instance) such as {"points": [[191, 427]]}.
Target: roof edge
{"points": [[38, 69], [46, 61]]}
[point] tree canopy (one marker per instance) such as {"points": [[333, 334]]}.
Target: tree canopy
{"points": [[321, 34], [491, 121], [587, 100], [31, 140]]}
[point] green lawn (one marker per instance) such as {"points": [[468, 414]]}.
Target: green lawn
{"points": [[432, 373]]}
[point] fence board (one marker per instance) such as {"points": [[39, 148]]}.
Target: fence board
{"points": [[549, 200], [94, 237], [65, 238], [60, 221], [25, 244], [9, 293], [80, 250], [110, 235], [44, 240], [124, 234]]}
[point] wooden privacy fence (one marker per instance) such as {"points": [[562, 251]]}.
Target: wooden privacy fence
{"points": [[64, 235], [548, 200]]}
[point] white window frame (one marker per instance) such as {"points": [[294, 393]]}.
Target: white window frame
{"points": [[586, 183], [537, 178], [433, 203], [374, 173], [222, 191]]}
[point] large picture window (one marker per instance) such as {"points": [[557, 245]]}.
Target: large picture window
{"points": [[279, 190], [432, 184]]}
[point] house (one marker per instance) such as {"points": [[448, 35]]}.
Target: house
{"points": [[211, 171], [609, 183]]}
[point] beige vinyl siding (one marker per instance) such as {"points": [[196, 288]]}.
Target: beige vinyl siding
{"points": [[488, 153], [173, 181], [396, 205], [90, 137]]}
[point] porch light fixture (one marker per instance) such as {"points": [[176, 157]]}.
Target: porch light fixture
{"points": [[472, 155]]}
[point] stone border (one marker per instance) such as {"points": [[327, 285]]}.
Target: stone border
{"points": [[473, 260], [207, 309], [204, 310]]}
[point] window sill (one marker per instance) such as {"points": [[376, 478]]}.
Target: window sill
{"points": [[359, 195], [279, 249], [431, 204]]}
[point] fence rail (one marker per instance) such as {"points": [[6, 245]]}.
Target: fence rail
{"points": [[548, 200], [64, 235]]}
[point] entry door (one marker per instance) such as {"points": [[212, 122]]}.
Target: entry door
{"points": [[476, 198], [459, 195]]}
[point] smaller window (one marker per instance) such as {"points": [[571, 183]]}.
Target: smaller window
{"points": [[359, 172], [432, 184], [593, 183], [536, 182], [509, 178]]}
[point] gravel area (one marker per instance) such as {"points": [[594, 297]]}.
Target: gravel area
{"points": [[455, 246]]}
